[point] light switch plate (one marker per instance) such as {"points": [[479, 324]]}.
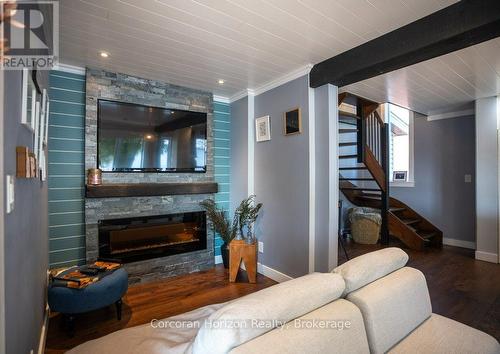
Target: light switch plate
{"points": [[468, 178], [261, 247], [10, 194]]}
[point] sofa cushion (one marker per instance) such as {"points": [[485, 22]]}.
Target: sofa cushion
{"points": [[253, 315], [343, 332], [369, 267], [171, 335], [392, 307], [439, 334]]}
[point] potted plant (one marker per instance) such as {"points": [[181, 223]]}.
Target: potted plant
{"points": [[245, 215], [247, 212], [222, 226]]}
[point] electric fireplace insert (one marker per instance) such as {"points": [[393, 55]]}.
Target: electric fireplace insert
{"points": [[139, 238]]}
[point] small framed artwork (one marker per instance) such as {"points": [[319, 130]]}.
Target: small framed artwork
{"points": [[263, 129], [36, 127], [292, 122], [399, 176], [29, 93], [43, 124]]}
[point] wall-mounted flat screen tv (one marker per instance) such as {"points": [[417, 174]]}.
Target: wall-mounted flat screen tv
{"points": [[136, 138]]}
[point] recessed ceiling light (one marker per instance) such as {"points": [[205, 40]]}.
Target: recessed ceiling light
{"points": [[149, 137], [104, 54], [221, 82]]}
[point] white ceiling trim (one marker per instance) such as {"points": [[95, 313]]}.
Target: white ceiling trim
{"points": [[464, 113], [295, 74]]}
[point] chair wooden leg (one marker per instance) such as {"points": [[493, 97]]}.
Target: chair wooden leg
{"points": [[119, 309]]}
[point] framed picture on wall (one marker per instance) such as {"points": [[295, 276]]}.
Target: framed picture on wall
{"points": [[36, 128], [399, 176], [263, 129], [292, 122], [41, 130], [29, 95]]}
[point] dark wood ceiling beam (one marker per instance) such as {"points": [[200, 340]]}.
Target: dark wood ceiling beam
{"points": [[455, 27]]}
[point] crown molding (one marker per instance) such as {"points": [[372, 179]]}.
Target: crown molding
{"points": [[241, 94], [456, 114], [221, 99], [70, 68], [292, 75], [283, 79]]}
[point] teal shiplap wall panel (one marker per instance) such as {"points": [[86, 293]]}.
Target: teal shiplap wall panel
{"points": [[66, 169], [222, 158]]}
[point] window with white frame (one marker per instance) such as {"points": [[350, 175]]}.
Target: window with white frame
{"points": [[400, 145]]}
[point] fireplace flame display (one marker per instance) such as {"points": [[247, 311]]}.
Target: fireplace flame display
{"points": [[133, 239]]}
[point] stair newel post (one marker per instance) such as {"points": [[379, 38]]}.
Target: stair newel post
{"points": [[361, 133], [384, 135]]}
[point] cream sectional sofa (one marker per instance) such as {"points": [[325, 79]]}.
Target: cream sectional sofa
{"points": [[371, 304]]}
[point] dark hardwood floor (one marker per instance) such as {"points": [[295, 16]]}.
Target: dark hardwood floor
{"points": [[461, 288], [154, 300]]}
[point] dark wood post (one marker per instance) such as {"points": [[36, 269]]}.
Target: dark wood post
{"points": [[361, 133], [384, 130]]}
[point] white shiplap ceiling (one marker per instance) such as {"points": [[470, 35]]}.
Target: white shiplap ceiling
{"points": [[247, 43], [447, 83]]}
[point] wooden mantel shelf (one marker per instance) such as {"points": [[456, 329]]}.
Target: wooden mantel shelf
{"points": [[148, 189]]}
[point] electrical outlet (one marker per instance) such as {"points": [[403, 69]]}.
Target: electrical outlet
{"points": [[261, 247], [10, 193]]}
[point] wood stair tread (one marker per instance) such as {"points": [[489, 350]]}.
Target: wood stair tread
{"points": [[348, 123], [348, 156], [410, 221], [356, 179], [427, 234], [349, 114], [343, 131], [395, 210], [369, 197], [348, 144], [359, 189]]}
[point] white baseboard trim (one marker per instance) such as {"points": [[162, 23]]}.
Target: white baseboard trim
{"points": [[269, 272], [272, 273], [459, 243], [218, 259], [43, 334], [487, 257]]}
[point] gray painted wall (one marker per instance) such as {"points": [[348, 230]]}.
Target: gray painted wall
{"points": [[26, 236], [444, 154], [239, 152], [487, 175], [282, 180]]}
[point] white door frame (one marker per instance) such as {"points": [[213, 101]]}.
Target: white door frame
{"points": [[333, 176], [2, 216], [498, 172]]}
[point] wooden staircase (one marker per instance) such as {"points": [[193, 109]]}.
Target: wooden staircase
{"points": [[364, 174]]}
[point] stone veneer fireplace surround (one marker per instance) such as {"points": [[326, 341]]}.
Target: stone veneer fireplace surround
{"points": [[125, 88]]}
